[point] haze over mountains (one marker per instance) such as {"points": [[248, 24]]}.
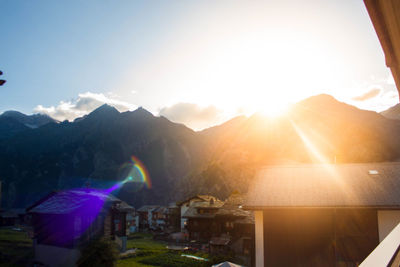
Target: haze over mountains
{"points": [[38, 154], [392, 113]]}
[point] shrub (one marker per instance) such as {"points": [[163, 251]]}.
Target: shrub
{"points": [[99, 252]]}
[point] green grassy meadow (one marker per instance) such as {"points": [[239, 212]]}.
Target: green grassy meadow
{"points": [[15, 248], [155, 253]]}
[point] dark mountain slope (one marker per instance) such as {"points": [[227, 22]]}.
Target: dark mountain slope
{"points": [[31, 121], [10, 127], [181, 162], [66, 155]]}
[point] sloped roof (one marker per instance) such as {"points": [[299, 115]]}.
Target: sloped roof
{"points": [[123, 206], [193, 210], [161, 209], [326, 185], [226, 264], [172, 205], [68, 201], [199, 197], [147, 208], [215, 203], [233, 206]]}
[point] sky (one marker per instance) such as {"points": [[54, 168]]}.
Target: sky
{"points": [[194, 62]]}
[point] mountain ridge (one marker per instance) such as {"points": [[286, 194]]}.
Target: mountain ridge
{"points": [[180, 161], [392, 112]]}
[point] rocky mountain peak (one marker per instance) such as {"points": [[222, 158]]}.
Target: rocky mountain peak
{"points": [[104, 111], [31, 121]]}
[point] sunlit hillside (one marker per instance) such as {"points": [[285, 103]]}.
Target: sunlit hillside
{"points": [[319, 129], [180, 161]]}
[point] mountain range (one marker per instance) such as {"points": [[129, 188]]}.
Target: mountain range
{"points": [[392, 113], [12, 122], [39, 154]]}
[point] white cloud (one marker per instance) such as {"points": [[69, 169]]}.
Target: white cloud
{"points": [[193, 115], [82, 105], [373, 92]]}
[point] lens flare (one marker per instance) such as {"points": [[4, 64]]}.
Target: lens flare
{"points": [[144, 175], [135, 173]]}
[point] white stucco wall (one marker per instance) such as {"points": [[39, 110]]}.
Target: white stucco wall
{"points": [[184, 208], [387, 221], [56, 256]]}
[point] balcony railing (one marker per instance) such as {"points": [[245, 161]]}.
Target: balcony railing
{"points": [[387, 253]]}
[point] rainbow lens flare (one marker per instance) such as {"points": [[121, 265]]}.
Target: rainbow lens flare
{"points": [[144, 176], [134, 172]]}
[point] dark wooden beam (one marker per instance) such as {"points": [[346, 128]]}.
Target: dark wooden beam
{"points": [[385, 17]]}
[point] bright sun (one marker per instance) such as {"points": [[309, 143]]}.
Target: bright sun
{"points": [[266, 75], [274, 109]]}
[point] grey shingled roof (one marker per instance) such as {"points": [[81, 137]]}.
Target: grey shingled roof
{"points": [[123, 206], [192, 212], [233, 206], [161, 209], [326, 185], [214, 204], [65, 202], [199, 197], [147, 208]]}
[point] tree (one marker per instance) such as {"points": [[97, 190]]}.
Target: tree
{"points": [[2, 81]]}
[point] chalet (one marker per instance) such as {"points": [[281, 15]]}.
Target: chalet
{"points": [[146, 216], [132, 221], [323, 214], [8, 218], [12, 217], [200, 215], [160, 217], [64, 221], [236, 227], [185, 204], [174, 218]]}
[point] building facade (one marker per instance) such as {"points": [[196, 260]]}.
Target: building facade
{"points": [[65, 221], [323, 214]]}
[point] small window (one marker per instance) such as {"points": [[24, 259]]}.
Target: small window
{"points": [[373, 172]]}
